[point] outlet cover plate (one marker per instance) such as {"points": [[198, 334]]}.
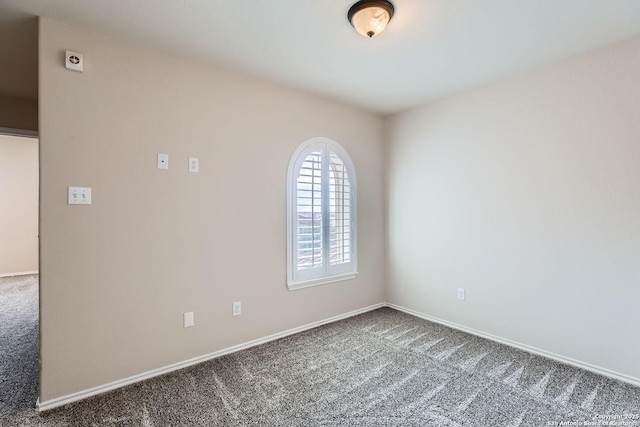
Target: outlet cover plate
{"points": [[237, 308], [193, 164]]}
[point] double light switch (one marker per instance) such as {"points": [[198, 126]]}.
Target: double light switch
{"points": [[79, 196]]}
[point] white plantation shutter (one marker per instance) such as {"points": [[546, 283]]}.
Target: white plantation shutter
{"points": [[309, 244], [339, 211], [321, 215]]}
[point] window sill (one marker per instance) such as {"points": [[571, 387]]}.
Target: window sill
{"points": [[293, 286]]}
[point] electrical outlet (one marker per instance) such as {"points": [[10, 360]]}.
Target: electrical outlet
{"points": [[188, 319], [461, 294], [193, 164], [237, 308]]}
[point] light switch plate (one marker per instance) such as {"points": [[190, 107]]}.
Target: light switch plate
{"points": [[188, 319], [163, 161], [79, 196]]}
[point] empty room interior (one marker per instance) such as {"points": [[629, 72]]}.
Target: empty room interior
{"points": [[296, 212]]}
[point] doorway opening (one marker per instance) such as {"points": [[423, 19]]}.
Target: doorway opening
{"points": [[19, 271]]}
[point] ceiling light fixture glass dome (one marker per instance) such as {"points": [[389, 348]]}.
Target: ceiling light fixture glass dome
{"points": [[370, 17]]}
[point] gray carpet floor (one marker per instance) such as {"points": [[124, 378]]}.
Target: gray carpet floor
{"points": [[382, 368], [18, 344]]}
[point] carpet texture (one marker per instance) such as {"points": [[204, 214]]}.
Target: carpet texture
{"points": [[382, 368], [18, 345]]}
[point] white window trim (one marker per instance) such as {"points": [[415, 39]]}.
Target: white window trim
{"points": [[294, 162]]}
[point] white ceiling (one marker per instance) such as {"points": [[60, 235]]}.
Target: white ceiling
{"points": [[431, 48]]}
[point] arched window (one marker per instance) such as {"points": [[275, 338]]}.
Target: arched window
{"points": [[321, 215]]}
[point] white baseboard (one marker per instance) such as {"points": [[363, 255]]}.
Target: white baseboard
{"points": [[558, 358], [70, 398], [64, 400], [22, 273]]}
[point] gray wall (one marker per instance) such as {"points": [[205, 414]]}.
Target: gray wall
{"points": [[527, 194], [116, 276]]}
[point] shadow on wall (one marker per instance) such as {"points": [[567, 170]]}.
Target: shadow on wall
{"points": [[19, 74]]}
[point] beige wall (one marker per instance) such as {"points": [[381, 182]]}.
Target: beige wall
{"points": [[118, 275], [19, 201], [527, 194]]}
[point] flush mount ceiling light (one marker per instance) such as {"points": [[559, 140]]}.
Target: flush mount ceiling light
{"points": [[370, 17]]}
